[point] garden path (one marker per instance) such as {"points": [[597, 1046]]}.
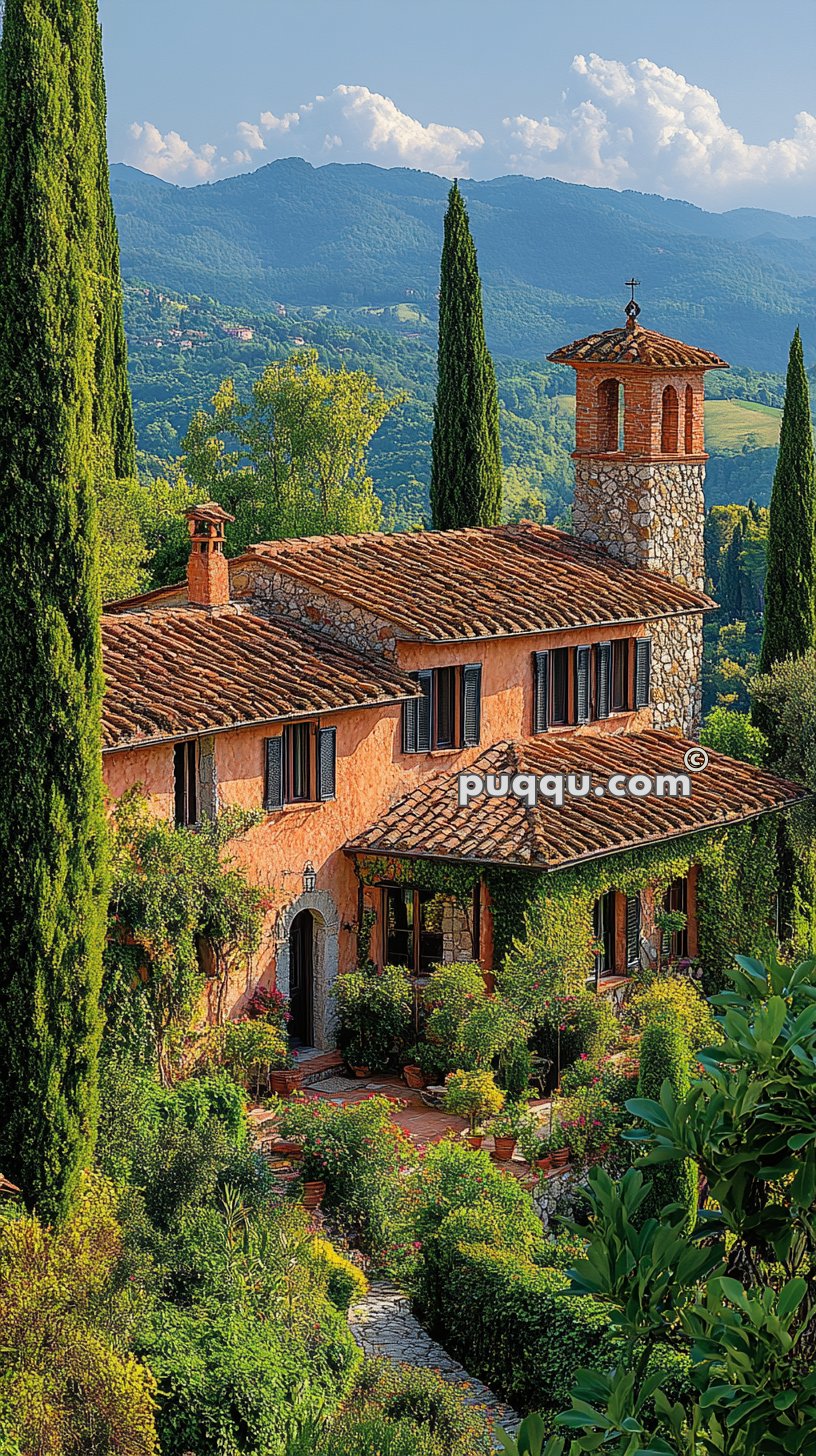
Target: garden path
{"points": [[382, 1324]]}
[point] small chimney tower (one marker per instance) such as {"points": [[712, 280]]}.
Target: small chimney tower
{"points": [[207, 568]]}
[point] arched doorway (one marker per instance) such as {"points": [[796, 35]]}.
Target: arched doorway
{"points": [[301, 978]]}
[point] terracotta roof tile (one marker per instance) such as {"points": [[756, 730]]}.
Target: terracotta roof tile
{"points": [[480, 582], [636, 346], [176, 671], [429, 824]]}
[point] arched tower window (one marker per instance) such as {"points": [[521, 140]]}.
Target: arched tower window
{"points": [[689, 420], [610, 415], [669, 421]]}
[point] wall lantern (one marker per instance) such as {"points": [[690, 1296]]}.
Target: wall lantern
{"points": [[309, 877]]}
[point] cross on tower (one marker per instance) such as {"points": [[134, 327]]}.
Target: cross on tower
{"points": [[633, 307]]}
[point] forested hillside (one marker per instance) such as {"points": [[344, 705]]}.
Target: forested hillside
{"points": [[552, 255]]}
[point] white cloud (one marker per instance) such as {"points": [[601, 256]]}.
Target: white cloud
{"points": [[168, 155], [643, 125], [618, 124], [361, 125]]}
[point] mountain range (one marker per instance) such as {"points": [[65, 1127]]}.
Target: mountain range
{"points": [[553, 255]]}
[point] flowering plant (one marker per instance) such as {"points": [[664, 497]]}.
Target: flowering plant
{"points": [[588, 1122]]}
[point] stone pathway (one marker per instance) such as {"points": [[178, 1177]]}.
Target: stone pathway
{"points": [[382, 1324]]}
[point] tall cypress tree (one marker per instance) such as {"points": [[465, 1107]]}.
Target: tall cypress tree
{"points": [[113, 408], [790, 581], [53, 885], [466, 475]]}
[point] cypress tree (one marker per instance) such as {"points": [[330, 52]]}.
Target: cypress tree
{"points": [[53, 885], [665, 1056], [113, 408], [790, 580], [466, 473]]}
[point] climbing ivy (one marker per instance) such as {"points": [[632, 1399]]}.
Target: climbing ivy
{"points": [[549, 916]]}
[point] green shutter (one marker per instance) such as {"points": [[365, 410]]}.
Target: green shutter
{"points": [[327, 763], [541, 691], [603, 669], [583, 664], [643, 672], [471, 704], [424, 736]]}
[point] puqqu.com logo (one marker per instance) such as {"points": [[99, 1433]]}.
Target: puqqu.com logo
{"points": [[556, 787]]}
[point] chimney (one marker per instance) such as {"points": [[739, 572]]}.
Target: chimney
{"points": [[207, 569]]}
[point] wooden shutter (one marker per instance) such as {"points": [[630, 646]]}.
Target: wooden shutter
{"points": [[424, 733], [643, 671], [583, 662], [541, 691], [632, 930], [273, 788], [409, 725], [471, 704], [603, 668], [326, 763]]}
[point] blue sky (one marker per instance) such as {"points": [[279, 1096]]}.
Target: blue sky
{"points": [[714, 101]]}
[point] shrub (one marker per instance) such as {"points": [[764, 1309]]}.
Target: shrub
{"points": [[196, 1101], [345, 1283], [665, 1057], [515, 1067], [451, 994], [374, 1015], [490, 1031], [588, 1121], [473, 1095], [434, 1408], [585, 1023], [509, 1322], [727, 731], [675, 998], [65, 1325], [363, 1160]]}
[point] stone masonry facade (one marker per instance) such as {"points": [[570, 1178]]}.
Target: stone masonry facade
{"points": [[649, 514], [677, 665]]}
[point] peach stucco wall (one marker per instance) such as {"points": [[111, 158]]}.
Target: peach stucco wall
{"points": [[372, 772]]}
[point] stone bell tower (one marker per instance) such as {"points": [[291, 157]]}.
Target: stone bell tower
{"points": [[639, 446]]}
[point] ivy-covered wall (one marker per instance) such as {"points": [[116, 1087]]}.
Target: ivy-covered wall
{"points": [[547, 918], [551, 915]]}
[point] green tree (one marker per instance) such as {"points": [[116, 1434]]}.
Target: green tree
{"points": [[665, 1057], [53, 888], [466, 464], [736, 1297], [790, 583], [113, 409], [291, 460]]}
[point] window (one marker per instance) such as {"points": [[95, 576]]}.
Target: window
{"points": [[300, 766], [689, 421], [445, 685], [559, 697], [297, 745], [619, 699], [447, 714], [603, 929], [413, 928], [185, 782], [610, 416], [675, 943], [669, 422]]}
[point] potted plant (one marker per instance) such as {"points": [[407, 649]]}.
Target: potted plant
{"points": [[475, 1096], [508, 1127], [412, 1071], [374, 1006], [558, 1147]]}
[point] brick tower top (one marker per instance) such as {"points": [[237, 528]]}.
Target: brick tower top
{"points": [[640, 445]]}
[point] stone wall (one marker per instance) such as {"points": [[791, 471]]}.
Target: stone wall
{"points": [[647, 513], [456, 932], [677, 665], [274, 592]]}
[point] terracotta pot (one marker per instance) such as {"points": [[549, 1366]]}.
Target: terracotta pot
{"points": [[504, 1148], [474, 1140], [361, 1072], [286, 1081], [286, 1149], [543, 1164], [559, 1157], [313, 1191], [413, 1077]]}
